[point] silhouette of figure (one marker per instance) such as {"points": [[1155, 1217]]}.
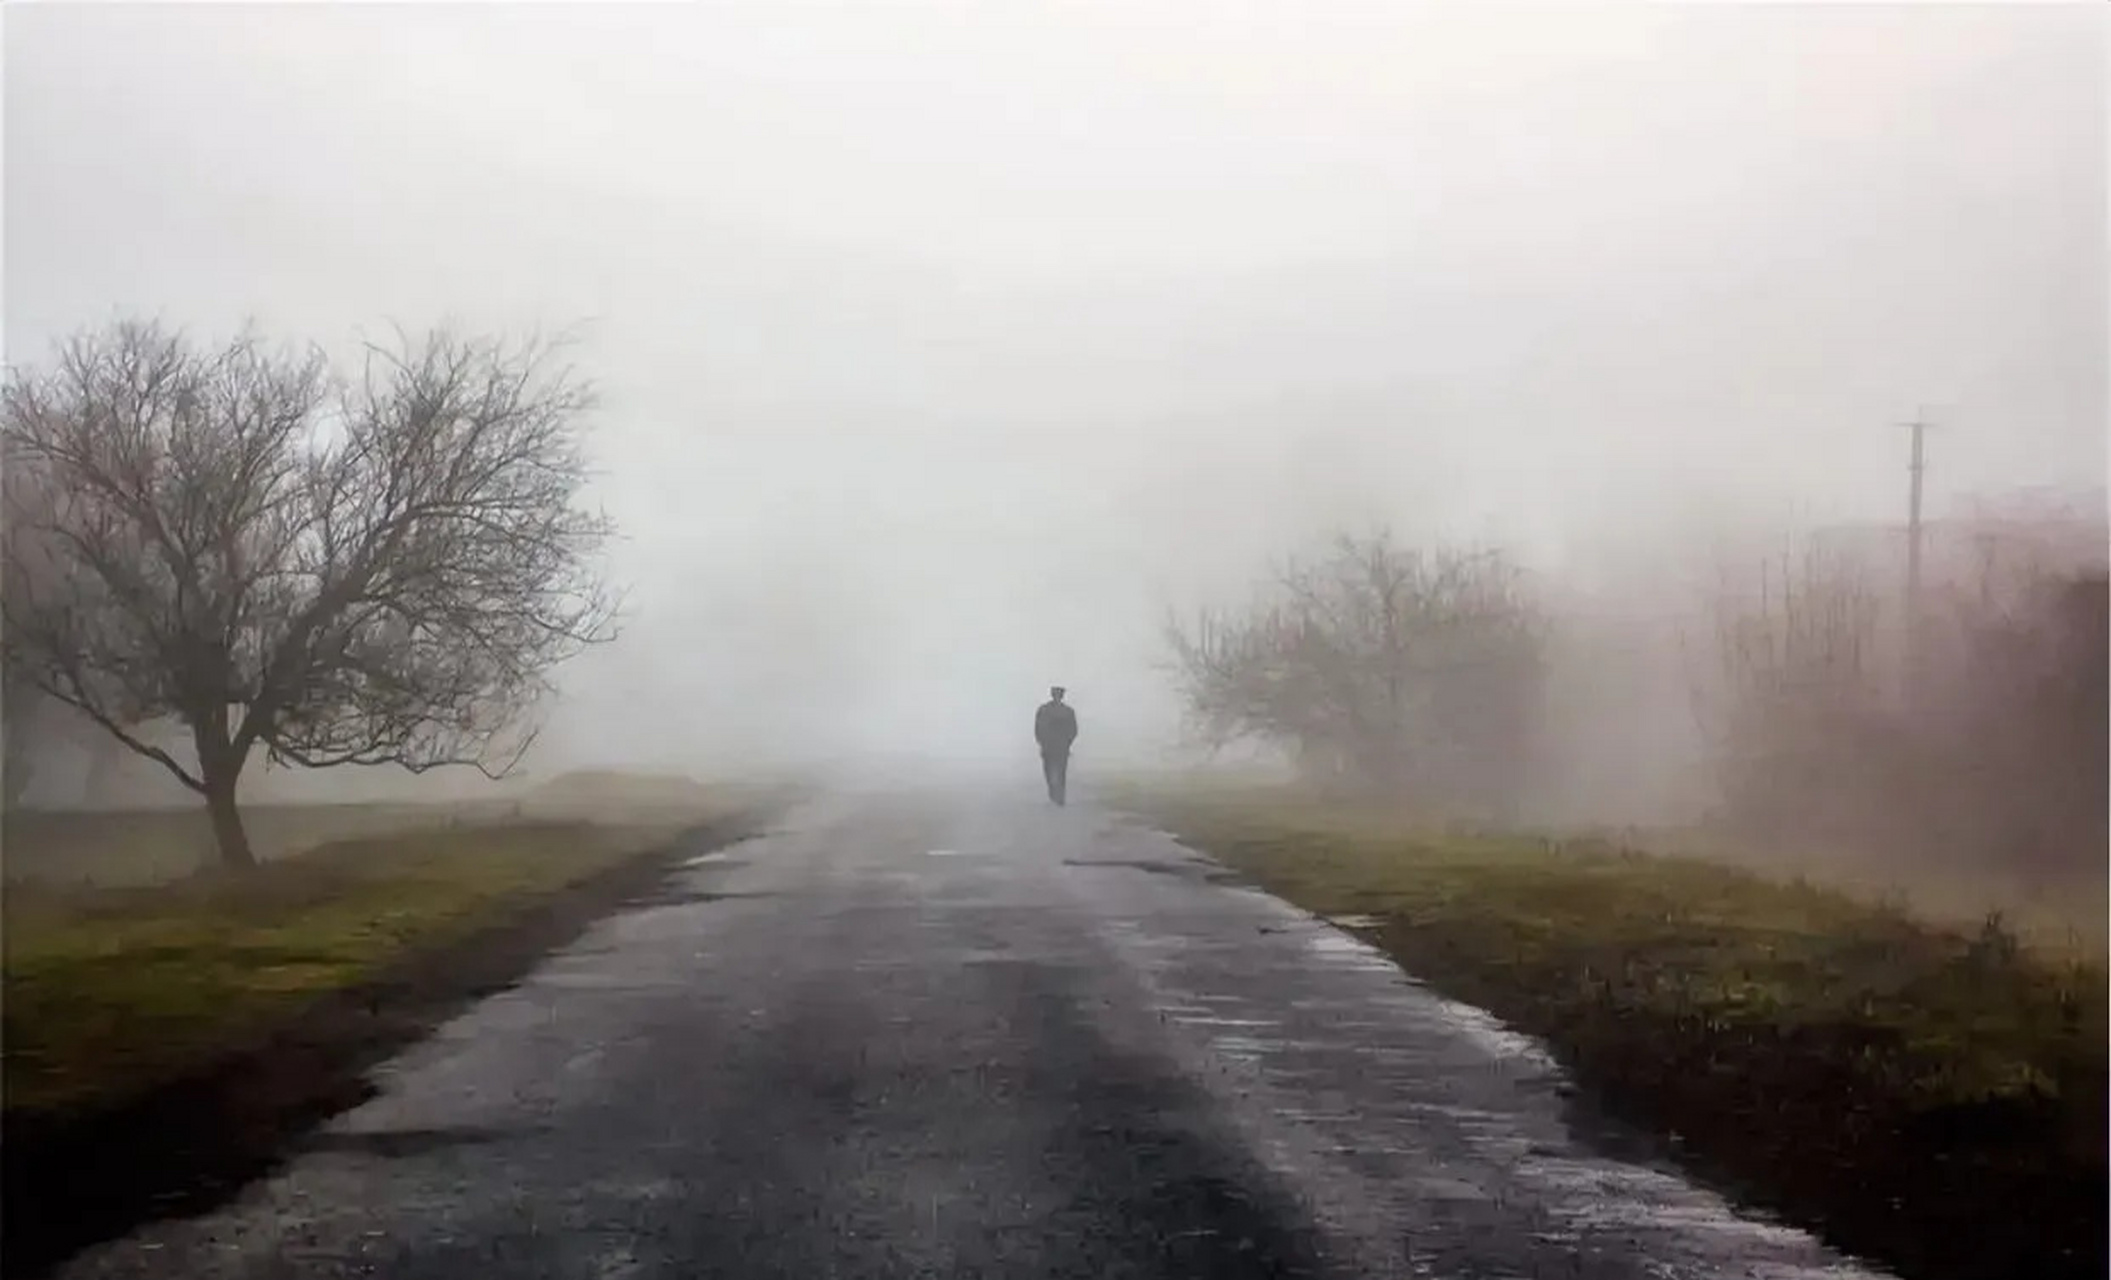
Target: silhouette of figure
{"points": [[1055, 728]]}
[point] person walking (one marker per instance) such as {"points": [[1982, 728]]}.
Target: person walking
{"points": [[1055, 728]]}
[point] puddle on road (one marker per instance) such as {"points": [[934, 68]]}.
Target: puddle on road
{"points": [[400, 1144], [1340, 946], [1195, 869], [694, 897], [1213, 1020], [1489, 1032], [1356, 922], [1132, 864]]}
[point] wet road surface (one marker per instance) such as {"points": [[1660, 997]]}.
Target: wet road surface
{"points": [[948, 1036]]}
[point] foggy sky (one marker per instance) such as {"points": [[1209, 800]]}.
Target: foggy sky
{"points": [[942, 344]]}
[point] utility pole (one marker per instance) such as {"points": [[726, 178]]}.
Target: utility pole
{"points": [[1915, 470]]}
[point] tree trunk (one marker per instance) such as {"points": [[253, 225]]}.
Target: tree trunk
{"points": [[228, 831], [220, 768]]}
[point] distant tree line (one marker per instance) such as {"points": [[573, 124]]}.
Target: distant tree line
{"points": [[1421, 675], [1988, 748]]}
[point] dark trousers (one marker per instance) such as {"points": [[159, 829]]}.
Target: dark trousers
{"points": [[1055, 767]]}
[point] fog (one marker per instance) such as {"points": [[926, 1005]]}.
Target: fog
{"points": [[943, 347]]}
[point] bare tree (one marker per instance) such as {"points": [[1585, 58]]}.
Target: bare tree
{"points": [[1797, 694], [1375, 665], [1995, 761], [380, 570]]}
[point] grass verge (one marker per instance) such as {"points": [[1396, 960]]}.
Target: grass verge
{"points": [[1927, 1097], [163, 1045]]}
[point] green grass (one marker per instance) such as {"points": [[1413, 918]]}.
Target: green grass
{"points": [[110, 991], [1905, 1085]]}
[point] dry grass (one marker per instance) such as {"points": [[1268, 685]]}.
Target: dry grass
{"points": [[1931, 1096], [2060, 917]]}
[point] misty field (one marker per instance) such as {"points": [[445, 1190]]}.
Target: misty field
{"points": [[130, 958], [1930, 1095], [137, 847], [2057, 914]]}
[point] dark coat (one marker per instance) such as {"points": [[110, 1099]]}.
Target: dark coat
{"points": [[1055, 726]]}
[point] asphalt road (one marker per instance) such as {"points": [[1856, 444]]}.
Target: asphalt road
{"points": [[954, 1036]]}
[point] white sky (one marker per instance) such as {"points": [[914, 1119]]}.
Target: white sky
{"points": [[940, 342]]}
